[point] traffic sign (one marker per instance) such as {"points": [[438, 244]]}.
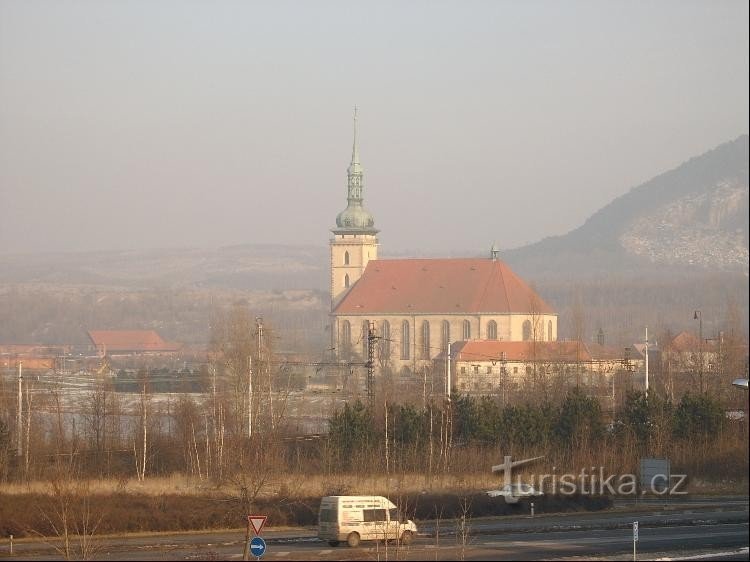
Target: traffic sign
{"points": [[635, 531], [258, 546], [257, 522]]}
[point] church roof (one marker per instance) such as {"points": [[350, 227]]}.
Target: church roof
{"points": [[440, 286]]}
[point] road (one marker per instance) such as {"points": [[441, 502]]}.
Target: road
{"points": [[497, 538]]}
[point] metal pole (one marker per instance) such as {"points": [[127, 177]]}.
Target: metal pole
{"points": [[448, 376], [249, 397], [371, 362], [646, 361], [19, 421]]}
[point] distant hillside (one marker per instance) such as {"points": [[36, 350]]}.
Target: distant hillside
{"points": [[695, 216], [257, 267]]}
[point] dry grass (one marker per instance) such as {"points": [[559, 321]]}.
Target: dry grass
{"points": [[289, 485]]}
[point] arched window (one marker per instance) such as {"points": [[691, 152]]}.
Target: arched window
{"points": [[385, 341], [491, 330], [467, 330], [346, 258], [549, 330], [445, 335], [405, 340], [425, 339], [346, 280], [346, 337], [365, 337], [526, 330]]}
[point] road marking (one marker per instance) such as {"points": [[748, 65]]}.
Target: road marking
{"points": [[281, 553]]}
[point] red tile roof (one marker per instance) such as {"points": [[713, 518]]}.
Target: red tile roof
{"points": [[130, 340], [567, 351], [440, 286]]}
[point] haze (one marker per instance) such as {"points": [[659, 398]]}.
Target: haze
{"points": [[137, 125]]}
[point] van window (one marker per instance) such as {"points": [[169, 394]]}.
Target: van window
{"points": [[393, 514], [370, 515], [327, 516]]}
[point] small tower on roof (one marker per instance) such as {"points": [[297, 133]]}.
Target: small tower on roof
{"points": [[354, 241]]}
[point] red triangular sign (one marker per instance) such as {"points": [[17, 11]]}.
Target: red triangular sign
{"points": [[257, 522]]}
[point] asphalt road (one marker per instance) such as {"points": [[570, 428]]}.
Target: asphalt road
{"points": [[587, 535]]}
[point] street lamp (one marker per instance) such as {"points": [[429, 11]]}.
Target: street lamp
{"points": [[697, 315]]}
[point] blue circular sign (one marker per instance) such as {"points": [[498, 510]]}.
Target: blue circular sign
{"points": [[257, 546]]}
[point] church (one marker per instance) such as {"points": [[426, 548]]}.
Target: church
{"points": [[418, 307]]}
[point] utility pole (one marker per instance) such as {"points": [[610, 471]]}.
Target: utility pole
{"points": [[259, 324], [249, 397], [371, 362], [698, 315], [646, 361], [448, 374], [19, 412]]}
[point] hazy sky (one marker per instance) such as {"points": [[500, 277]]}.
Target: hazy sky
{"points": [[130, 125]]}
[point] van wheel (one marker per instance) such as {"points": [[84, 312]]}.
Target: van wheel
{"points": [[333, 543], [353, 539], [407, 537]]}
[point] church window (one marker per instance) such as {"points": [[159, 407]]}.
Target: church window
{"points": [[346, 258], [445, 334], [346, 280], [365, 338], [467, 330], [405, 340], [549, 330], [491, 330], [346, 336], [385, 341], [526, 330], [425, 339]]}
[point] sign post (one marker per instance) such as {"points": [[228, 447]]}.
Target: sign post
{"points": [[635, 538], [257, 545]]}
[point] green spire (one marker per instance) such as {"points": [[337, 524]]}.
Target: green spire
{"points": [[355, 217]]}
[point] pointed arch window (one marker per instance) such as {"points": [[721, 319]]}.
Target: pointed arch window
{"points": [[346, 258], [385, 341], [445, 335], [549, 330], [491, 330], [405, 340], [425, 339], [467, 330], [346, 281], [346, 337], [526, 330], [365, 338]]}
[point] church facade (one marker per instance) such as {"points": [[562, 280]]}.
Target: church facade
{"points": [[418, 307]]}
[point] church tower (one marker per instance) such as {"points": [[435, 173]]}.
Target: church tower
{"points": [[354, 241]]}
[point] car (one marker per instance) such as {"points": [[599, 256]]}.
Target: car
{"points": [[515, 492]]}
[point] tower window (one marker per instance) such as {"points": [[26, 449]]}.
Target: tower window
{"points": [[346, 258], [405, 340], [346, 280], [467, 330], [549, 330], [491, 330]]}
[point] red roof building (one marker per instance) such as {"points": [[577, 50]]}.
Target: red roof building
{"points": [[130, 341]]}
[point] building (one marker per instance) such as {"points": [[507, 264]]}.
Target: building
{"points": [[417, 306], [131, 342], [504, 366]]}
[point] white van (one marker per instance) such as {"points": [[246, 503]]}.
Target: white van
{"points": [[359, 518]]}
